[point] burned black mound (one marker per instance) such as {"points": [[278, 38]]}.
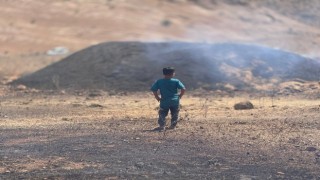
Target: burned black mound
{"points": [[133, 66]]}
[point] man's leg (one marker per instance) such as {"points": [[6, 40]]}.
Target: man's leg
{"points": [[174, 110], [163, 112]]}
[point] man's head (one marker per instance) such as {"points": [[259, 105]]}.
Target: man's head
{"points": [[168, 71]]}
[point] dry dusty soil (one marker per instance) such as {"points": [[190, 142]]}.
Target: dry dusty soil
{"points": [[98, 135]]}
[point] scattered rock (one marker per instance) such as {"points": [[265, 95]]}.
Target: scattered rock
{"points": [[246, 177], [217, 161], [66, 119], [243, 105], [139, 165], [21, 87], [166, 23], [240, 122], [76, 105], [94, 94], [57, 51], [311, 149], [280, 173], [96, 106]]}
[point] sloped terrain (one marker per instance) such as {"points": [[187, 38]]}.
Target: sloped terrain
{"points": [[133, 66], [29, 27], [304, 11]]}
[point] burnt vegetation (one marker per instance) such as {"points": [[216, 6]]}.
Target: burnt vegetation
{"points": [[135, 66]]}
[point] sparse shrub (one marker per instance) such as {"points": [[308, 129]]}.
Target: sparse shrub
{"points": [[166, 23]]}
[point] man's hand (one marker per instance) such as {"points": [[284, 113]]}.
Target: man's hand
{"points": [[158, 98], [155, 93], [182, 93]]}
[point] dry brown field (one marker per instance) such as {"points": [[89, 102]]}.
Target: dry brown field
{"points": [[99, 135]]}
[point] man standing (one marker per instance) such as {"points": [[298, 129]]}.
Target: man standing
{"points": [[170, 97]]}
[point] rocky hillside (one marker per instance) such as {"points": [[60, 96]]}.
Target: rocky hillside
{"points": [[34, 27]]}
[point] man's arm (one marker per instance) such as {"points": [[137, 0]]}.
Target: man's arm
{"points": [[156, 95], [182, 91]]}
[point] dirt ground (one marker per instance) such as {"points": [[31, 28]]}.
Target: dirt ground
{"points": [[98, 135]]}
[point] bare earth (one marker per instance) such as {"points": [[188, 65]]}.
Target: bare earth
{"points": [[101, 136], [95, 134]]}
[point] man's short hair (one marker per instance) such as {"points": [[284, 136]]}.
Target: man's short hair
{"points": [[168, 70]]}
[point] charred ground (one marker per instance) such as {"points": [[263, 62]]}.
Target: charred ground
{"points": [[134, 66]]}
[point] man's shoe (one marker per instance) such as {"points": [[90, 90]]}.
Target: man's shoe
{"points": [[172, 127], [160, 128]]}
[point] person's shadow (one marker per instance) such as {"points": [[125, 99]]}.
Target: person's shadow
{"points": [[151, 130], [157, 129]]}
